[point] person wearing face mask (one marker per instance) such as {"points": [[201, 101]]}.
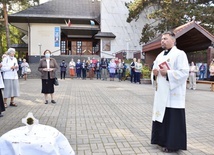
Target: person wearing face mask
{"points": [[63, 66], [211, 69], [9, 68], [192, 76], [78, 69], [48, 67], [24, 67], [72, 65]]}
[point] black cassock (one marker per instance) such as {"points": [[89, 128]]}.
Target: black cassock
{"points": [[2, 108], [171, 133]]}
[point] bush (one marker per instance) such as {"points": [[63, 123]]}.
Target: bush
{"points": [[127, 73], [146, 72]]}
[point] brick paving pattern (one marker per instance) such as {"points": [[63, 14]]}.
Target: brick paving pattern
{"points": [[110, 117]]}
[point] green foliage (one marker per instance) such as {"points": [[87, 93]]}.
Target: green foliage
{"points": [[128, 61], [170, 14], [146, 72], [128, 73], [15, 34], [136, 7], [147, 33]]}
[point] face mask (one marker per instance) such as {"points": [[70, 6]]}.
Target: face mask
{"points": [[47, 55]]}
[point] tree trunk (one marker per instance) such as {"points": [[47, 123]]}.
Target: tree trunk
{"points": [[6, 24], [1, 46]]}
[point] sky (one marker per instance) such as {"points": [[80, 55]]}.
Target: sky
{"points": [[43, 1]]}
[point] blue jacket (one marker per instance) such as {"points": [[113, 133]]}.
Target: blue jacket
{"points": [[63, 66]]}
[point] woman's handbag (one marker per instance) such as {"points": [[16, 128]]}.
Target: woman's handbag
{"points": [[56, 82], [28, 70]]}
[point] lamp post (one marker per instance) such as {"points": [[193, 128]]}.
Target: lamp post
{"points": [[127, 49], [40, 50]]}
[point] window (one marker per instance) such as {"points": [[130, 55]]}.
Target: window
{"points": [[96, 48], [63, 47], [106, 45], [79, 47]]}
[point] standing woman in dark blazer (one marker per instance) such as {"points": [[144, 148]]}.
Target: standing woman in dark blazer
{"points": [[48, 67]]}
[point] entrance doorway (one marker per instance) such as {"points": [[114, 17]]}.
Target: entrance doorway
{"points": [[80, 47]]}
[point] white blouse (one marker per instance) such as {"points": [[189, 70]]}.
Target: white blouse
{"points": [[48, 63], [7, 63]]}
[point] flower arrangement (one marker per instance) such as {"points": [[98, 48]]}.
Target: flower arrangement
{"points": [[30, 121]]}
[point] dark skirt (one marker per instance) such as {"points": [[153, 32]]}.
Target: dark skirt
{"points": [[47, 86], [171, 133], [2, 108]]}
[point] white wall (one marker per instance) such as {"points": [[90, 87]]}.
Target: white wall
{"points": [[113, 19], [42, 34]]}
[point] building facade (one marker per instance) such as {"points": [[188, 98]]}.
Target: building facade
{"points": [[83, 27]]}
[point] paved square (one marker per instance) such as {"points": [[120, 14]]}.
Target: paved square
{"points": [[110, 117]]}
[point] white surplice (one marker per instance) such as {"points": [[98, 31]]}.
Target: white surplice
{"points": [[170, 93]]}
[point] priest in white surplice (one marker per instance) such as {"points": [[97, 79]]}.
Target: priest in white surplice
{"points": [[170, 72]]}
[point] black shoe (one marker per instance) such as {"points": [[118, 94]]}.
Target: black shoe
{"points": [[52, 101], [169, 150], [46, 102], [1, 115], [13, 104]]}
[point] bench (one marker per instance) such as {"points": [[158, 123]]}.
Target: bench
{"points": [[207, 82]]}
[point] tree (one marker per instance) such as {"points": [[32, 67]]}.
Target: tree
{"points": [[168, 14], [10, 6]]}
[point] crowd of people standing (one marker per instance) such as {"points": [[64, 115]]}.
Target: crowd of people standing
{"points": [[102, 69], [12, 70], [95, 68]]}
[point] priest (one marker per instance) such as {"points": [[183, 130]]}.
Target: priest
{"points": [[169, 75]]}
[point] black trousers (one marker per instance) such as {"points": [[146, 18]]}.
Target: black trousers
{"points": [[63, 74], [137, 77], [84, 73], [133, 76]]}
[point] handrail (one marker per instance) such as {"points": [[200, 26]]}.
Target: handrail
{"points": [[110, 54], [55, 51]]}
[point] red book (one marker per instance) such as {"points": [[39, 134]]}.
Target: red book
{"points": [[164, 65]]}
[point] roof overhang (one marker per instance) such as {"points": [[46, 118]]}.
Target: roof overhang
{"points": [[20, 47], [189, 37], [101, 35], [79, 31]]}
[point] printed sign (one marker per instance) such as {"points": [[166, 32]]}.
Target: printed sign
{"points": [[56, 36]]}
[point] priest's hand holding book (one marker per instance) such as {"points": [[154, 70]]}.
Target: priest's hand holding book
{"points": [[163, 68], [163, 72], [155, 72]]}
